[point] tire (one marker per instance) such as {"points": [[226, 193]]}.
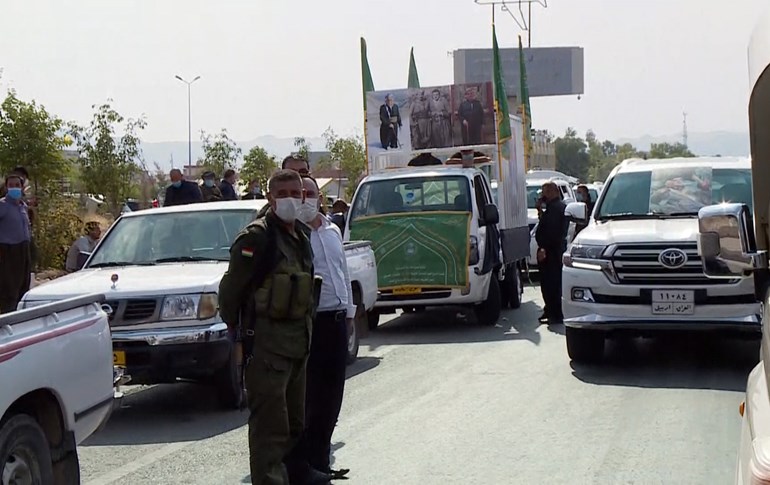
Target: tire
{"points": [[24, 453], [488, 312], [373, 320], [229, 383], [585, 346], [353, 339]]}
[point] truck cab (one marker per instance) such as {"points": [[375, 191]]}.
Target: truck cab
{"points": [[733, 244]]}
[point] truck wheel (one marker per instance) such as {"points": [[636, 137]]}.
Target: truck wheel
{"points": [[488, 312], [229, 383], [24, 453], [353, 339], [585, 346], [373, 319]]}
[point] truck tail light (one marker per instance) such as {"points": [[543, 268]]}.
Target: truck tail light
{"points": [[760, 462], [474, 251]]}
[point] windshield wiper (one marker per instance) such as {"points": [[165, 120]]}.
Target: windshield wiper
{"points": [[677, 214], [627, 215], [110, 264], [183, 259]]}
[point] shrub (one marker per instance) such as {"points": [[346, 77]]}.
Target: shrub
{"points": [[57, 223]]}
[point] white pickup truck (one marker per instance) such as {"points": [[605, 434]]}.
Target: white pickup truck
{"points": [[56, 388], [160, 270]]}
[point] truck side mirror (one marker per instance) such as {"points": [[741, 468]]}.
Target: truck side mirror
{"points": [[576, 212], [726, 242], [490, 215], [82, 258]]}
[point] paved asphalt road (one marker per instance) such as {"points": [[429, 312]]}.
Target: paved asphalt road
{"points": [[439, 400]]}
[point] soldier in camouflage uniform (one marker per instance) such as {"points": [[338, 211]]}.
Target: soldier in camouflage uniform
{"points": [[268, 292]]}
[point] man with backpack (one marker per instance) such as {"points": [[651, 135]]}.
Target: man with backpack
{"points": [[268, 293]]}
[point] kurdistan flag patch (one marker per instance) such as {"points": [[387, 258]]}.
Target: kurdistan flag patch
{"points": [[247, 252]]}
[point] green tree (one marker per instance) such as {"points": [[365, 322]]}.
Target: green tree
{"points": [[220, 152], [348, 155], [33, 138], [303, 149], [109, 164], [669, 150], [572, 156], [258, 165]]}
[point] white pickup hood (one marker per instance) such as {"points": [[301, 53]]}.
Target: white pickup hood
{"points": [[639, 230], [134, 281]]}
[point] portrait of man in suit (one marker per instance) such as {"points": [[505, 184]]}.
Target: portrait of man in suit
{"points": [[390, 123], [471, 115]]}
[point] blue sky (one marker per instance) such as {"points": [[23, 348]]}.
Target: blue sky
{"points": [[286, 68]]}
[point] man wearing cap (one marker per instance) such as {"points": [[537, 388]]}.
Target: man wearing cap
{"points": [[15, 260], [209, 189], [83, 244], [181, 191]]}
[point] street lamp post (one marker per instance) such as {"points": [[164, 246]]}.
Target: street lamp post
{"points": [[189, 118]]}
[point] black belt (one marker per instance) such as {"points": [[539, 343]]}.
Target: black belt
{"points": [[336, 315]]}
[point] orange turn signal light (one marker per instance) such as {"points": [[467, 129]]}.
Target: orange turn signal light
{"points": [[742, 408]]}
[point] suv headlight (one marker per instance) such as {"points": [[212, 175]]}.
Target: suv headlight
{"points": [[189, 307], [585, 256]]}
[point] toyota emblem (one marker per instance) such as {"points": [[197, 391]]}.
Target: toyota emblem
{"points": [[672, 258]]}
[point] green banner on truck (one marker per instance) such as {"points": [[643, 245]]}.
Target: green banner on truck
{"points": [[428, 249]]}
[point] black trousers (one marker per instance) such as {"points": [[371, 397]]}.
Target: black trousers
{"points": [[15, 267], [388, 136], [323, 398], [550, 286]]}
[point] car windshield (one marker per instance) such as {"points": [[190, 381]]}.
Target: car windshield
{"points": [[679, 191], [171, 237], [419, 194]]}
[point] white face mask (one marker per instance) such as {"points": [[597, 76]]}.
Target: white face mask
{"points": [[286, 209], [308, 211]]}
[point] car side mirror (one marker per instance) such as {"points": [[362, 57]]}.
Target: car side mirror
{"points": [[576, 212], [726, 242], [490, 214], [82, 258]]}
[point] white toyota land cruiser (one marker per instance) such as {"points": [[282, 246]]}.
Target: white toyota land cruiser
{"points": [[636, 269]]}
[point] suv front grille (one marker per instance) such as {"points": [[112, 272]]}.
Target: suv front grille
{"points": [[639, 264], [132, 311]]}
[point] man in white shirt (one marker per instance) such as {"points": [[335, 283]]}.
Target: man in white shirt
{"points": [[328, 349]]}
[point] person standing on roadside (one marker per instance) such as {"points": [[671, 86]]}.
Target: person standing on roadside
{"points": [[227, 186], [583, 195], [268, 293], [332, 325], [551, 237], [15, 258], [209, 189], [298, 164], [181, 191], [254, 191]]}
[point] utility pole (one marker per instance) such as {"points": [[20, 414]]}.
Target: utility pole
{"points": [[684, 129], [189, 118]]}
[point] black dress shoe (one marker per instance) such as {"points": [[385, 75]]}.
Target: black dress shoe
{"points": [[315, 477]]}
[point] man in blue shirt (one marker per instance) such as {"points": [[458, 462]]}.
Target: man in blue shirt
{"points": [[15, 260], [181, 191]]}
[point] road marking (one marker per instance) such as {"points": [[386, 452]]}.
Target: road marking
{"points": [[136, 465]]}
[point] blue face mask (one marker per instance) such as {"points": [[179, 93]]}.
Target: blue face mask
{"points": [[177, 184], [14, 193], [209, 183]]}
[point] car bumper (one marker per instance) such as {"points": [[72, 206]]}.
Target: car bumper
{"points": [[163, 355], [479, 286], [608, 306]]}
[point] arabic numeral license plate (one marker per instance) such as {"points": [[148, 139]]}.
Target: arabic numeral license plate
{"points": [[673, 302], [407, 290]]}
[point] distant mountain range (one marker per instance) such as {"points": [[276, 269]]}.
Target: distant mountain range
{"points": [[726, 143], [174, 153]]}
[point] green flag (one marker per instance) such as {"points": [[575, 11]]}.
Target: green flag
{"points": [[366, 74], [525, 109], [414, 79], [501, 99]]}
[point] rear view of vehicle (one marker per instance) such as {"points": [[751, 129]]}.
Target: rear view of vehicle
{"points": [[635, 268]]}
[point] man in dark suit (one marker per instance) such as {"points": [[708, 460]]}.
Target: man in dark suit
{"points": [[551, 237], [390, 123], [471, 115], [181, 191]]}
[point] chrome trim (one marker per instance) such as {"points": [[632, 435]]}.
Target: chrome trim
{"points": [[685, 322], [172, 336]]}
